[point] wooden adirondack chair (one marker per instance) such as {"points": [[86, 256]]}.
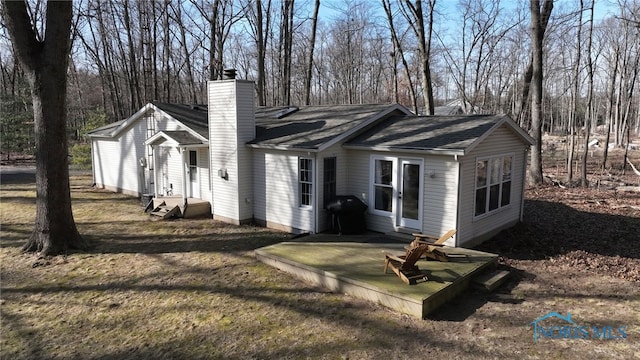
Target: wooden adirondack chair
{"points": [[434, 245], [405, 265]]}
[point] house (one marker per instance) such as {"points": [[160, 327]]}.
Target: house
{"points": [[279, 166]]}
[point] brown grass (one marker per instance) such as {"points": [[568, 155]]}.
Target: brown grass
{"points": [[192, 289]]}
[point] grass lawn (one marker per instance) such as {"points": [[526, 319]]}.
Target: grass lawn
{"points": [[192, 289]]}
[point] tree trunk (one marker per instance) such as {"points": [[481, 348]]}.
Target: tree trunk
{"points": [[398, 49], [591, 113], [312, 45], [45, 64], [424, 48], [537, 35], [576, 100], [544, 18]]}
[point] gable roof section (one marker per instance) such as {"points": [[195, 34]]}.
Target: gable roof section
{"points": [[193, 119], [451, 135], [192, 116], [174, 138], [107, 130], [314, 128]]}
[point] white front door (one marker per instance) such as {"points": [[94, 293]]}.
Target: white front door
{"points": [[194, 183], [409, 195]]}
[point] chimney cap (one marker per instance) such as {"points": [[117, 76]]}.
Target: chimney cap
{"points": [[228, 74]]}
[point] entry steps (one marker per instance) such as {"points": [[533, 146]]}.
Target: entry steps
{"points": [[491, 280], [165, 211]]}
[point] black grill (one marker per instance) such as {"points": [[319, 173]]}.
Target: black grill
{"points": [[347, 214]]}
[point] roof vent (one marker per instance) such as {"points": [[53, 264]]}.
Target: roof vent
{"points": [[228, 74], [286, 111]]}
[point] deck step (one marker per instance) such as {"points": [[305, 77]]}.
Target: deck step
{"points": [[164, 211], [490, 281]]}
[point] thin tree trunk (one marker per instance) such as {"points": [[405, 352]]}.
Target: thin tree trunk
{"points": [[424, 48], [398, 48], [590, 108], [312, 45], [576, 99], [610, 109]]}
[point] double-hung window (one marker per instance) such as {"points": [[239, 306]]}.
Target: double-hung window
{"points": [[493, 184], [383, 184], [305, 181]]}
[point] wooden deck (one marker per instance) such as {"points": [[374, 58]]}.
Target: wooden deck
{"points": [[356, 268]]}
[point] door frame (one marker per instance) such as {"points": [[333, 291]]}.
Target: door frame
{"points": [[194, 181], [400, 220], [395, 215]]}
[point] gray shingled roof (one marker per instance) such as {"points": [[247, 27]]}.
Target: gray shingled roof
{"points": [[311, 126], [107, 130], [193, 116], [452, 134], [183, 137]]}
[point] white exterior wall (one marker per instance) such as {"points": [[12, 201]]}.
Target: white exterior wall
{"points": [[439, 198], [440, 204], [169, 170], [276, 191], [231, 126], [203, 174], [116, 162], [501, 142]]}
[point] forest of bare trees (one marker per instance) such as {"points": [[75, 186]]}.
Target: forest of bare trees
{"points": [[420, 53]]}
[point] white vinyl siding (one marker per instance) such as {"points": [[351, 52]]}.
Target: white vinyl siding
{"points": [[439, 192], [204, 173], [276, 190], [503, 141], [169, 170], [116, 161], [230, 128]]}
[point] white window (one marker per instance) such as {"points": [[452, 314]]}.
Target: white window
{"points": [[305, 181], [382, 185], [493, 184]]}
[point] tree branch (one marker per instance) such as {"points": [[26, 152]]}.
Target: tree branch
{"points": [[18, 23]]}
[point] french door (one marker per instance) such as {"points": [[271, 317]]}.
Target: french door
{"points": [[409, 194]]}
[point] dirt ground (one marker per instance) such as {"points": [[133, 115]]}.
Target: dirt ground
{"points": [[193, 289]]}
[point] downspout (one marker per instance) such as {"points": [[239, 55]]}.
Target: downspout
{"points": [[93, 163], [154, 173], [316, 201], [455, 158], [184, 179], [524, 181]]}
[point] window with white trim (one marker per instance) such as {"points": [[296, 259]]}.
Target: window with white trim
{"points": [[493, 184], [383, 184], [305, 181]]}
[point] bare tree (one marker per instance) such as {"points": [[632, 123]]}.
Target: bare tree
{"points": [[537, 36], [591, 113], [415, 16], [545, 15], [399, 53], [576, 97], [45, 60], [312, 45]]}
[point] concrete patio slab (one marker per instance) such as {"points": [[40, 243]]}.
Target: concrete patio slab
{"points": [[356, 268]]}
